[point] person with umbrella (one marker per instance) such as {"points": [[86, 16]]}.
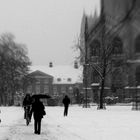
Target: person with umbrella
{"points": [[38, 110]]}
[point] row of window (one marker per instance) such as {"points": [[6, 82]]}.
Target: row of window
{"points": [[38, 89], [46, 89], [117, 76], [59, 79], [38, 81], [116, 46], [63, 89]]}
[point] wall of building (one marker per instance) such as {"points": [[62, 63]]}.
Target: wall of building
{"points": [[116, 10]]}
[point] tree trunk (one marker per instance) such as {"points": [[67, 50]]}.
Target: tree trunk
{"points": [[101, 104], [101, 101]]}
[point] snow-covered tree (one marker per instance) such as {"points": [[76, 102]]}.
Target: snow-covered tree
{"points": [[14, 64]]}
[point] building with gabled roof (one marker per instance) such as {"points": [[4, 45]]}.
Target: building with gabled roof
{"points": [[64, 74], [55, 81]]}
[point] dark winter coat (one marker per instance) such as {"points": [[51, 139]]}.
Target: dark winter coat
{"points": [[66, 101], [27, 102], [38, 109]]}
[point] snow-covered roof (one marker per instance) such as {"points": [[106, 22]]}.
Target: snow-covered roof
{"points": [[62, 74], [134, 87], [95, 84], [133, 61]]}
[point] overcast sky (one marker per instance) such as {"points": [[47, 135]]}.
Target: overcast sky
{"points": [[47, 27]]}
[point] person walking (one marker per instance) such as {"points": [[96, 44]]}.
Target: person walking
{"points": [[66, 102], [38, 112], [27, 103]]}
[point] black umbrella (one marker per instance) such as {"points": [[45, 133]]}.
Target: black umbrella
{"points": [[41, 96]]}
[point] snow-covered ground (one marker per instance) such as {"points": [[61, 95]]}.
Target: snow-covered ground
{"points": [[114, 123]]}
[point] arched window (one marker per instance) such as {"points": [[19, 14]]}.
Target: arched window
{"points": [[95, 48], [117, 46], [117, 77], [137, 44], [95, 76], [137, 74]]}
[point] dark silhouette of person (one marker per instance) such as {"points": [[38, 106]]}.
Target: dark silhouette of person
{"points": [[27, 102], [66, 102], [38, 112], [0, 119]]}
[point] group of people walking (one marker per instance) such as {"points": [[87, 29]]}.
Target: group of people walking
{"points": [[36, 107]]}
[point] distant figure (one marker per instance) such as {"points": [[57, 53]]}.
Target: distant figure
{"points": [[27, 102], [38, 112], [0, 119], [66, 102]]}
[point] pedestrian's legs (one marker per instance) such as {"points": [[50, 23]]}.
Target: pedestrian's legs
{"points": [[35, 126], [39, 126], [66, 110], [30, 115]]}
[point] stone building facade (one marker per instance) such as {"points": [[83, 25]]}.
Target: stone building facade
{"points": [[125, 40], [41, 83]]}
